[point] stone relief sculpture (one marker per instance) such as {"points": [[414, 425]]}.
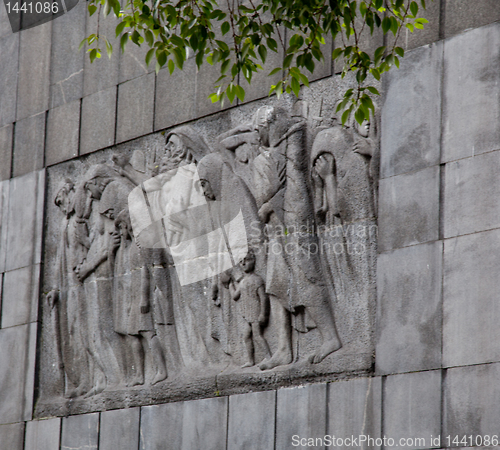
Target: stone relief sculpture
{"points": [[214, 256]]}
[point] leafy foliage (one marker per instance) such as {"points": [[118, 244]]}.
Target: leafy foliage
{"points": [[238, 38]]}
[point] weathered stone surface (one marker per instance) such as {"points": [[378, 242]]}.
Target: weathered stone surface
{"points": [[98, 120], [411, 117], [80, 432], [470, 192], [34, 71], [472, 402], [300, 411], [43, 434], [461, 15], [119, 429], [409, 209], [252, 420], [20, 296], [355, 409], [412, 408], [409, 309], [25, 220], [29, 143], [172, 108], [17, 367], [4, 214], [5, 28], [6, 151], [135, 112], [103, 72], [9, 53], [472, 68], [12, 436], [470, 286], [133, 63], [63, 133], [186, 425], [66, 75], [205, 85]]}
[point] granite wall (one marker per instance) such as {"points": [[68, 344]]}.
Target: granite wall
{"points": [[437, 358]]}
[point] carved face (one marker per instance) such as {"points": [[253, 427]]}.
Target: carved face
{"points": [[95, 187], [262, 120], [364, 128], [248, 263], [63, 200], [109, 213], [207, 190], [176, 151]]}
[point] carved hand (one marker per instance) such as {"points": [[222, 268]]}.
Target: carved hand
{"points": [[363, 147], [52, 298], [115, 240], [324, 165], [82, 271]]}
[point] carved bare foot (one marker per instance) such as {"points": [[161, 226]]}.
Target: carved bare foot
{"points": [[137, 380], [247, 364], [278, 359], [160, 376], [327, 348]]}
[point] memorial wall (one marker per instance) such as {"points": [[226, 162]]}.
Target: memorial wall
{"points": [[174, 274]]}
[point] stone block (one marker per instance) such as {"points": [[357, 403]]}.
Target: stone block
{"points": [[5, 28], [135, 108], [4, 214], [185, 425], [409, 209], [472, 69], [471, 188], [80, 432], [63, 133], [29, 143], [25, 221], [300, 411], [175, 96], [133, 62], [17, 369], [470, 306], [98, 120], [354, 409], [66, 77], [412, 408], [409, 309], [472, 402], [34, 71], [12, 436], [20, 296], [252, 420], [462, 14], [43, 434], [6, 151], [411, 117], [103, 72], [119, 429], [9, 54]]}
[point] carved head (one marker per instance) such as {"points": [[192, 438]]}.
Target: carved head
{"points": [[97, 178], [185, 145], [210, 173], [248, 262], [123, 223], [363, 129], [271, 123], [64, 197]]}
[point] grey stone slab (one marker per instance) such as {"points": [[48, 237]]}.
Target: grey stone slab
{"points": [[355, 409], [471, 111], [135, 108], [412, 408], [409, 311], [63, 133], [133, 62], [300, 411], [411, 116], [409, 209], [103, 72], [66, 77], [5, 28], [98, 120], [9, 55], [80, 432], [472, 401], [205, 85], [4, 214], [462, 14], [20, 296], [119, 429], [34, 71], [252, 420], [175, 96], [29, 144], [25, 220], [12, 436], [185, 425], [43, 434], [470, 299], [17, 363], [471, 188], [6, 133]]}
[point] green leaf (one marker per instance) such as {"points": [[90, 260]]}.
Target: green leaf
{"points": [[278, 69], [400, 52], [414, 8], [386, 24], [271, 43], [263, 53], [287, 62], [225, 66], [161, 58], [119, 28], [123, 41], [373, 90], [109, 48], [336, 53], [225, 27], [92, 9], [230, 92], [240, 92], [171, 66], [295, 85], [82, 44]]}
